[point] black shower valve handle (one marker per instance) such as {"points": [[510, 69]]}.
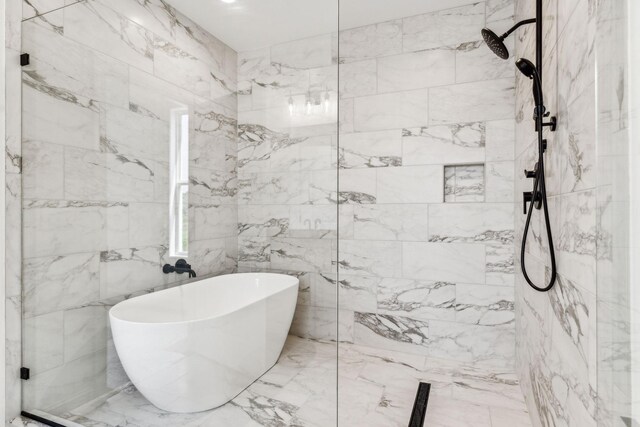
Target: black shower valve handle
{"points": [[528, 197]]}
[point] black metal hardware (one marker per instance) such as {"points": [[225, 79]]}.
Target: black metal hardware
{"points": [[40, 419], [552, 123], [24, 59], [419, 411], [528, 197], [180, 267], [25, 373]]}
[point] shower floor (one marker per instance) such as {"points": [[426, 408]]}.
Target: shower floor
{"points": [[377, 389]]}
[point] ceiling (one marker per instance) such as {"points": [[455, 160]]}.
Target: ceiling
{"points": [[251, 24]]}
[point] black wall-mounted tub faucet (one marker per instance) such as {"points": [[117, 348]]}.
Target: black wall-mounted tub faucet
{"points": [[180, 267]]}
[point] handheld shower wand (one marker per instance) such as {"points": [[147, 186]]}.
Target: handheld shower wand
{"points": [[538, 197]]}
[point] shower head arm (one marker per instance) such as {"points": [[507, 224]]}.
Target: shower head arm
{"points": [[518, 25]]}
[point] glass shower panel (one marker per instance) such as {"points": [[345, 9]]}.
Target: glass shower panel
{"points": [[132, 160], [617, 196]]}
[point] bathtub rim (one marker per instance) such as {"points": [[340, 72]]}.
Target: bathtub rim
{"points": [[294, 284]]}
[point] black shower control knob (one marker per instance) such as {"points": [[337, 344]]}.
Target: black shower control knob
{"points": [[529, 174]]}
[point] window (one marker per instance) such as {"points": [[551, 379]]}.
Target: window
{"points": [[179, 202]]}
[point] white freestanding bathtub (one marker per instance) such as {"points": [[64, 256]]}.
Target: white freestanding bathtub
{"points": [[197, 346]]}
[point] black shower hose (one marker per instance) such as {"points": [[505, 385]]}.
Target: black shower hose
{"points": [[539, 183]]}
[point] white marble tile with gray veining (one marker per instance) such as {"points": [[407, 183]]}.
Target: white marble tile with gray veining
{"points": [[443, 28], [60, 282], [60, 228], [370, 149], [484, 305], [455, 262], [391, 222], [110, 33], [499, 178], [471, 223], [358, 78], [416, 70], [370, 258], [469, 102], [391, 111], [417, 299], [456, 143], [371, 41], [410, 184]]}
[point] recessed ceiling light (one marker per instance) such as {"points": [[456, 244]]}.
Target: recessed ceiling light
{"points": [[229, 1]]}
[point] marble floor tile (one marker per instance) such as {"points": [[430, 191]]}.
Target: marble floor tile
{"points": [[309, 387]]}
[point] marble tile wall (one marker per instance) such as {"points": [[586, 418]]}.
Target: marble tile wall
{"points": [[97, 99], [416, 274], [287, 177], [557, 343], [426, 185]]}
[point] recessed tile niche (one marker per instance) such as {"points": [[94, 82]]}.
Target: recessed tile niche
{"points": [[464, 183]]}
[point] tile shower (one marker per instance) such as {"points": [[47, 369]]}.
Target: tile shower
{"points": [[379, 164]]}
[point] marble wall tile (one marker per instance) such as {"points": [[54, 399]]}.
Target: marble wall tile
{"points": [[390, 111], [417, 299], [43, 342], [132, 134], [301, 254], [485, 346], [370, 258], [60, 282], [355, 293], [471, 223], [358, 78], [443, 261], [499, 182], [126, 271], [371, 149], [313, 52], [85, 331], [500, 140], [391, 222], [392, 333], [416, 70], [443, 28], [408, 184], [484, 305], [52, 119], [172, 64], [60, 228], [574, 230], [42, 175], [33, 8], [500, 12], [455, 143], [111, 34], [357, 186], [82, 70], [469, 102], [371, 41]]}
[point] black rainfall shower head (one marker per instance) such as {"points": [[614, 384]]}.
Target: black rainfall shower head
{"points": [[526, 67], [495, 43]]}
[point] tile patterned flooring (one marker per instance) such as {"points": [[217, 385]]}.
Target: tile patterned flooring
{"points": [[377, 389]]}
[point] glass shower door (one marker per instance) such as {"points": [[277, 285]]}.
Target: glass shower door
{"points": [[148, 139]]}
